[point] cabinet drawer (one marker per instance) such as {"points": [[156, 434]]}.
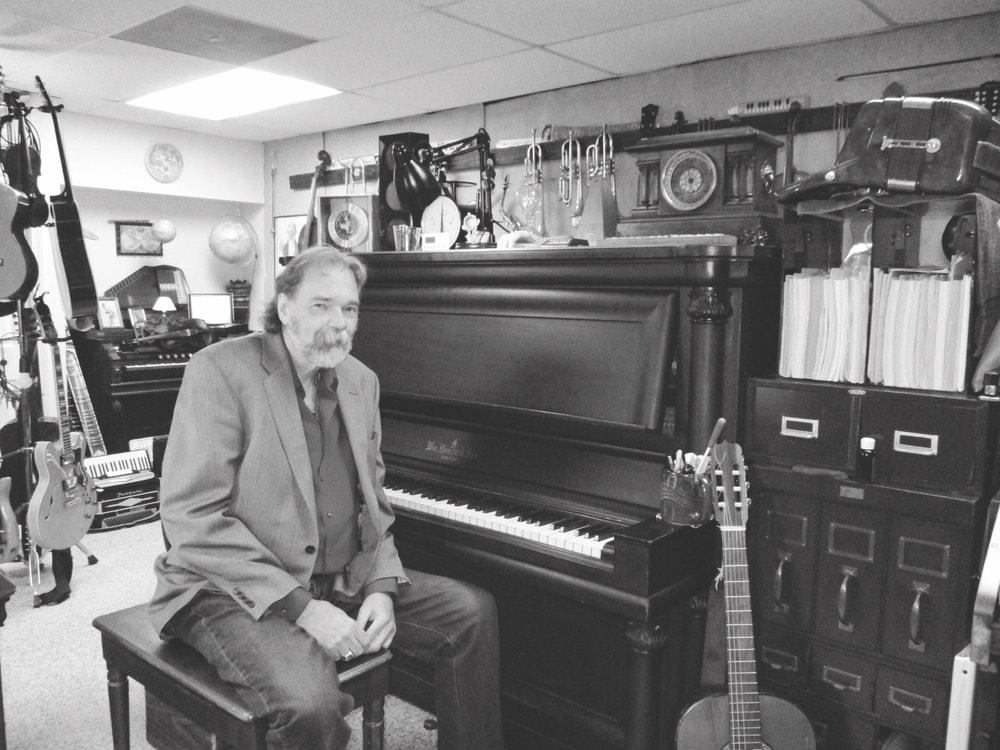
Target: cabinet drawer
{"points": [[927, 569], [802, 423], [782, 657], [849, 577], [916, 703], [841, 677], [784, 532], [926, 441]]}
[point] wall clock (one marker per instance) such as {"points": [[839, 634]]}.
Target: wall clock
{"points": [[688, 179], [164, 162]]}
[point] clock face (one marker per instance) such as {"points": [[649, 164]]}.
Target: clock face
{"points": [[688, 179], [348, 226], [442, 216]]}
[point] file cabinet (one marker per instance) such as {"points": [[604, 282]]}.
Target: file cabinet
{"points": [[862, 591]]}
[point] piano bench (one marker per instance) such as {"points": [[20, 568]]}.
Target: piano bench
{"points": [[189, 706]]}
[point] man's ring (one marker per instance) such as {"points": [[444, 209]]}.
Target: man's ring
{"points": [[348, 655]]}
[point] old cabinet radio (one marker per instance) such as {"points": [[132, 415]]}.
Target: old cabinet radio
{"points": [[710, 181]]}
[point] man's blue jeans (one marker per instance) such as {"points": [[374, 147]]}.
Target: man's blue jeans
{"points": [[281, 671]]}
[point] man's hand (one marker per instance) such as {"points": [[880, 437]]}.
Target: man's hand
{"points": [[377, 619], [333, 629]]}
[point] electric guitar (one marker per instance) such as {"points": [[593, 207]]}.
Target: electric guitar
{"points": [[743, 719], [62, 507]]}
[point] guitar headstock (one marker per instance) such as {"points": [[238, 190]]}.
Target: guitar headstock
{"points": [[731, 485], [44, 315]]}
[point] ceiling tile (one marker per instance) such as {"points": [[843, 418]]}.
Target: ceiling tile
{"points": [[213, 36], [908, 11], [96, 68], [720, 32], [487, 80], [400, 48], [561, 20], [341, 111]]}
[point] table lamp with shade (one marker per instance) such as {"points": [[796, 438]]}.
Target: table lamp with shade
{"points": [[163, 305]]}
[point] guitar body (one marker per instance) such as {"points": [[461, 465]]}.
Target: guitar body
{"points": [[62, 507], [20, 269], [704, 725], [10, 530]]}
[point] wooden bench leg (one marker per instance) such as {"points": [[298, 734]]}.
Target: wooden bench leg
{"points": [[118, 700], [373, 725]]}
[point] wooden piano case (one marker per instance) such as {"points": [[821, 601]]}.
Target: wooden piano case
{"points": [[562, 378]]}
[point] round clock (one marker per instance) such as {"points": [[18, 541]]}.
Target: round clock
{"points": [[688, 180], [348, 226], [442, 216]]}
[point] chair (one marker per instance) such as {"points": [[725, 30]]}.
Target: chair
{"points": [[207, 712]]}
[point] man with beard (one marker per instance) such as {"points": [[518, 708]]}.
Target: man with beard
{"points": [[281, 560]]}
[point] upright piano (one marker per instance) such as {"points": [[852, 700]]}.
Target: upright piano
{"points": [[529, 398]]}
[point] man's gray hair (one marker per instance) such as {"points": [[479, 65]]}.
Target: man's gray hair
{"points": [[290, 279]]}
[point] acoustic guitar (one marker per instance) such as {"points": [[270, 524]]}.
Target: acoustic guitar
{"points": [[743, 719], [82, 294], [62, 507], [17, 209]]}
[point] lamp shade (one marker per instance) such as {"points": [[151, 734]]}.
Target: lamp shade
{"points": [[164, 305], [415, 185]]}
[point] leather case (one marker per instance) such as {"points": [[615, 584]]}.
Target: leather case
{"points": [[912, 144]]}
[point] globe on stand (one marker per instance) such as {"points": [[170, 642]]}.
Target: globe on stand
{"points": [[234, 241]]}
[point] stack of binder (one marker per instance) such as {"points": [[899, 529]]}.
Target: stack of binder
{"points": [[919, 329], [824, 325], [917, 335]]}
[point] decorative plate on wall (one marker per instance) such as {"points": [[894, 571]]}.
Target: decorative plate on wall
{"points": [[164, 162]]}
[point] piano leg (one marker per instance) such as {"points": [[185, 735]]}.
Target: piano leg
{"points": [[646, 643]]}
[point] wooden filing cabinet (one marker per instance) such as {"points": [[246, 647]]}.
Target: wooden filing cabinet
{"points": [[862, 591]]}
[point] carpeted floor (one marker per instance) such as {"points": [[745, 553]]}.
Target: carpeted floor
{"points": [[54, 680]]}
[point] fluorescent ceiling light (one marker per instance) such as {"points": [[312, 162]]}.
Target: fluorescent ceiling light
{"points": [[234, 93]]}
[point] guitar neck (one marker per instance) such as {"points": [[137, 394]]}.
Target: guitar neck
{"points": [[85, 409], [744, 698]]}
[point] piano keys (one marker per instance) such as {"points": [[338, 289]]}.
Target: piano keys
{"points": [[529, 398]]}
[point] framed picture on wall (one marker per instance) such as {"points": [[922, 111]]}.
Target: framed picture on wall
{"points": [[286, 238], [136, 238], [109, 314]]}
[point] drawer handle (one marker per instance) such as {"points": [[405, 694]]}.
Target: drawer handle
{"points": [[844, 599], [916, 626], [803, 429], [841, 680], [778, 585], [779, 661], [908, 702], [917, 443]]}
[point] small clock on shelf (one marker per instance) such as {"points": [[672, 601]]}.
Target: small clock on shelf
{"points": [[688, 179], [349, 221]]}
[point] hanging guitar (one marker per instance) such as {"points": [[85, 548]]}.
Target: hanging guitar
{"points": [[62, 507], [310, 234], [81, 292], [18, 211], [743, 719]]}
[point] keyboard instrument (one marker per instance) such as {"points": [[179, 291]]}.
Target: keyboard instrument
{"points": [[128, 491], [529, 398]]}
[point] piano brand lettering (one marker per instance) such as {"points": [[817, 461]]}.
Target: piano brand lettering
{"points": [[450, 451]]}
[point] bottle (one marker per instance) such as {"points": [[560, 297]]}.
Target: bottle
{"points": [[865, 460]]}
